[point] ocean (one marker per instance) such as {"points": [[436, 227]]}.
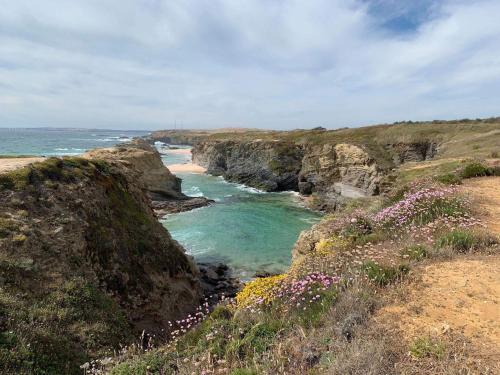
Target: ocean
{"points": [[247, 229]]}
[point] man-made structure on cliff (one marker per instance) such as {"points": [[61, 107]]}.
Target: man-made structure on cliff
{"points": [[85, 264]]}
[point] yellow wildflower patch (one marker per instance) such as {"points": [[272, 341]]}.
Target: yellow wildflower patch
{"points": [[261, 289]]}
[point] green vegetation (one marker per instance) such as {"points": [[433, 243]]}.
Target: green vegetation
{"points": [[475, 169], [449, 179], [383, 275], [54, 332], [66, 169], [458, 240], [427, 347], [415, 252]]}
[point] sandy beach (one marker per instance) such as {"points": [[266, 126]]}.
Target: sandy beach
{"points": [[182, 151], [9, 164], [187, 167]]}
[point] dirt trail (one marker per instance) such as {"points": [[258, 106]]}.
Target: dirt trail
{"points": [[9, 164], [458, 298]]}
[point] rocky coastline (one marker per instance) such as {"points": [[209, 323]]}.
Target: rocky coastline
{"points": [[332, 173]]}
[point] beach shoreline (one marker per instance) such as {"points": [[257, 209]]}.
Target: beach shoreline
{"points": [[187, 167]]}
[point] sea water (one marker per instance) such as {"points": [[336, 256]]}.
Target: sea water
{"points": [[251, 231]]}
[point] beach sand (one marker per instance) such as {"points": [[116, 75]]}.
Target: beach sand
{"points": [[9, 164], [187, 167], [183, 151]]}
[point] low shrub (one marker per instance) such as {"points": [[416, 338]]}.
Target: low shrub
{"points": [[383, 275], [475, 169], [449, 179], [427, 347]]}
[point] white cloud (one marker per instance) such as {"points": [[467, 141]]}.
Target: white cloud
{"points": [[211, 63]]}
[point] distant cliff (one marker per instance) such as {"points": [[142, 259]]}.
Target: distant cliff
{"points": [[330, 171], [85, 264]]}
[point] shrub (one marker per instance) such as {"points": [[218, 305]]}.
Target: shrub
{"points": [[415, 252], [427, 347], [475, 169], [494, 155], [383, 275], [449, 179], [459, 240]]}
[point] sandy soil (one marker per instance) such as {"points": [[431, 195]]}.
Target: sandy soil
{"points": [[13, 163], [461, 296], [486, 194], [187, 167]]}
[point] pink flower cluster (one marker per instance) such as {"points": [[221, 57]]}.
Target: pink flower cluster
{"points": [[421, 207], [306, 290]]}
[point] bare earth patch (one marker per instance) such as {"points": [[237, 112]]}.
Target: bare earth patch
{"points": [[10, 164], [486, 194], [458, 298]]}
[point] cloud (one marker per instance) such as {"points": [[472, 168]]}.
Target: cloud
{"points": [[212, 63]]}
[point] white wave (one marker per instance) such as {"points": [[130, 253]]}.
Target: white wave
{"points": [[194, 191], [61, 149], [248, 189]]}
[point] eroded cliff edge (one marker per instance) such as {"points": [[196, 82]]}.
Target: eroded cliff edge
{"points": [[85, 264]]}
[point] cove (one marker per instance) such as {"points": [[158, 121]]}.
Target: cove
{"points": [[249, 230]]}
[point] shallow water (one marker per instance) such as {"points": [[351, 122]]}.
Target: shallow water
{"points": [[249, 230]]}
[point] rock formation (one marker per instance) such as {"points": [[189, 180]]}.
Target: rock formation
{"points": [[333, 172], [162, 186], [85, 263]]}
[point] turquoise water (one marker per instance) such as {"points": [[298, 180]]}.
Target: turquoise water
{"points": [[247, 229]]}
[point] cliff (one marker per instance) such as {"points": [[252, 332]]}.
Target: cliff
{"points": [[332, 171], [85, 265], [146, 161]]}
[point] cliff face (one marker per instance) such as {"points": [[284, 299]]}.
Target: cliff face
{"points": [[146, 161], [333, 171], [85, 263], [267, 165]]}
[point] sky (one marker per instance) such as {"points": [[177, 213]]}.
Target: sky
{"points": [[280, 64]]}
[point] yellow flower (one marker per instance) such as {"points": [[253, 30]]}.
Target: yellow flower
{"points": [[261, 289]]}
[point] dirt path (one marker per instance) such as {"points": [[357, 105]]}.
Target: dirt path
{"points": [[458, 298], [9, 164]]}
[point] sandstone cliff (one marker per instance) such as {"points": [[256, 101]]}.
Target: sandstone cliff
{"points": [[85, 265]]}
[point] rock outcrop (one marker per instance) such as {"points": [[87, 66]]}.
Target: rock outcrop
{"points": [[266, 165], [333, 172], [162, 186], [146, 161], [85, 264]]}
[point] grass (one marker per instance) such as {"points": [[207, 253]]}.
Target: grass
{"points": [[383, 275], [415, 252], [459, 240], [449, 179], [427, 347]]}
